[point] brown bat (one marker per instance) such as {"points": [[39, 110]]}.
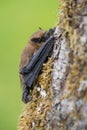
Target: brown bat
{"points": [[34, 55], [31, 48]]}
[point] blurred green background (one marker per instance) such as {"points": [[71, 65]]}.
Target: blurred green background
{"points": [[18, 20]]}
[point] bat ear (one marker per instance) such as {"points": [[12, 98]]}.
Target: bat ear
{"points": [[40, 28]]}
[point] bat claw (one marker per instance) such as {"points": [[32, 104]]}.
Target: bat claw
{"points": [[23, 71]]}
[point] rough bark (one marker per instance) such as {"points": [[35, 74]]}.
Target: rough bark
{"points": [[62, 104]]}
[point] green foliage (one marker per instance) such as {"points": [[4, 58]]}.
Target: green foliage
{"points": [[18, 20]]}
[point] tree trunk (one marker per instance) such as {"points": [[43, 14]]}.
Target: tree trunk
{"points": [[61, 104]]}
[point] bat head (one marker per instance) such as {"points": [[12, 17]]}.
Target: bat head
{"points": [[38, 37], [41, 36]]}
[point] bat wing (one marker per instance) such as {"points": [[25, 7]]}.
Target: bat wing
{"points": [[31, 71]]}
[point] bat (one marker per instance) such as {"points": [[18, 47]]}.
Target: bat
{"points": [[31, 71]]}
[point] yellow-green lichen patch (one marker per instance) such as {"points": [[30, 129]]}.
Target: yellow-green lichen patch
{"points": [[34, 114], [45, 78]]}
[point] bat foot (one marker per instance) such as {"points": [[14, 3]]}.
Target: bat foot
{"points": [[26, 97]]}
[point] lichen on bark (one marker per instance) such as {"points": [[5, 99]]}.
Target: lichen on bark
{"points": [[71, 111]]}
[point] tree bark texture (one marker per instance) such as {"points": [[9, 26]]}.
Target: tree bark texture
{"points": [[62, 103]]}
